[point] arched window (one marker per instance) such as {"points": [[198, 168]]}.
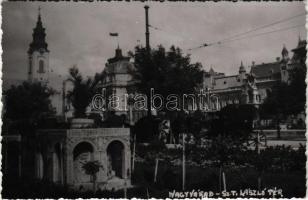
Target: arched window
{"points": [[116, 160], [41, 67], [82, 154]]}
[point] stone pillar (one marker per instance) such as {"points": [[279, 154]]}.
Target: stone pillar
{"points": [[124, 162], [54, 167], [61, 160], [101, 174], [255, 93], [69, 168], [37, 166], [49, 165], [128, 165], [19, 160]]}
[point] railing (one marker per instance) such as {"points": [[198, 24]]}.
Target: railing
{"points": [[294, 134]]}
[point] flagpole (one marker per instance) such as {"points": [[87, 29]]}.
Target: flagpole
{"points": [[118, 41]]}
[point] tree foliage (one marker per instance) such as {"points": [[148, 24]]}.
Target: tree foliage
{"points": [[27, 104], [167, 72], [231, 129], [234, 121], [83, 91], [297, 88], [287, 98], [92, 168]]}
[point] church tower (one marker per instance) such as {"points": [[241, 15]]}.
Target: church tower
{"points": [[38, 54], [242, 72], [285, 53]]}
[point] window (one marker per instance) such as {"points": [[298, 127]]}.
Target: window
{"points": [[41, 67]]}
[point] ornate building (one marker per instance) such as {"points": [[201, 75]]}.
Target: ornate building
{"points": [[119, 83], [254, 86], [236, 89]]}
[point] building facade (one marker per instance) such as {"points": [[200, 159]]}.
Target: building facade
{"points": [[38, 64], [38, 55], [254, 86], [119, 86], [224, 90]]}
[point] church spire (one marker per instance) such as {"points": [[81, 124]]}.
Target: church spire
{"points": [[38, 42], [285, 53], [242, 68], [39, 20], [38, 54]]}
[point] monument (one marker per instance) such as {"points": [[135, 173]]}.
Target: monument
{"points": [[61, 154]]}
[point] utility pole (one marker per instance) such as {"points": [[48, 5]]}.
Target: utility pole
{"points": [[258, 151], [147, 43], [183, 164], [147, 32]]}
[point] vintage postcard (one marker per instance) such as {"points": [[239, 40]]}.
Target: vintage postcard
{"points": [[153, 99]]}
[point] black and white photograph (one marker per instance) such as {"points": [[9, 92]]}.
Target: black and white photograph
{"points": [[153, 99]]}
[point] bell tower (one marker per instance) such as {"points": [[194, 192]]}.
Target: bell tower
{"points": [[38, 54]]}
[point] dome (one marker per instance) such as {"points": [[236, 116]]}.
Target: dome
{"points": [[119, 64], [120, 67]]}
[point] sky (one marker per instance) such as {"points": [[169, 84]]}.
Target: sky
{"points": [[78, 33]]}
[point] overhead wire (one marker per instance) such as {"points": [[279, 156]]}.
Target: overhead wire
{"points": [[237, 37], [232, 38]]}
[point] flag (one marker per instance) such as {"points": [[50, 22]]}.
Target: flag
{"points": [[114, 34]]}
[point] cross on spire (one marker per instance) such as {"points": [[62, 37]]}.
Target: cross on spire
{"points": [[39, 15], [38, 35]]}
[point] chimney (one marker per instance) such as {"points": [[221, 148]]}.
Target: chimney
{"points": [[253, 63], [277, 59]]}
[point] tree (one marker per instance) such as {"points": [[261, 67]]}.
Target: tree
{"points": [[28, 104], [297, 89], [91, 168], [167, 72], [286, 98], [83, 91], [229, 133], [234, 121]]}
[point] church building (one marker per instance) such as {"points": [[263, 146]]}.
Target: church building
{"points": [[38, 64]]}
